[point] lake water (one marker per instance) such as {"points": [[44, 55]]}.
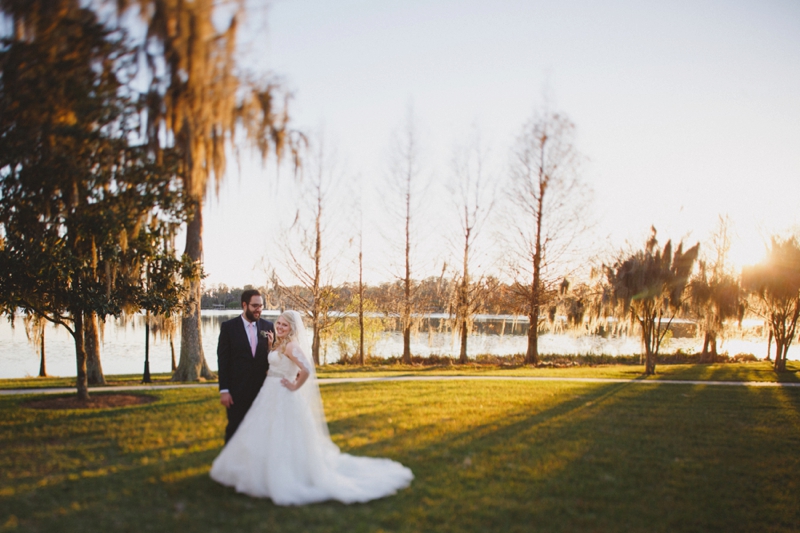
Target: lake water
{"points": [[122, 349]]}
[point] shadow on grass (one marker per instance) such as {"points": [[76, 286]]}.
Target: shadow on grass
{"points": [[760, 371], [509, 456], [618, 458]]}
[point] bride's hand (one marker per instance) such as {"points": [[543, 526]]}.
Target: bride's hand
{"points": [[291, 385]]}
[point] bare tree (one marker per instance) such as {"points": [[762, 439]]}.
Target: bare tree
{"points": [[775, 287], [352, 301], [361, 298], [360, 238], [406, 190], [307, 249], [473, 198], [356, 339], [548, 213]]}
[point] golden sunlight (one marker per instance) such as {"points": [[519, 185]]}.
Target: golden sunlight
{"points": [[746, 251]]}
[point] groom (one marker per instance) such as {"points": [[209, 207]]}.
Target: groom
{"points": [[244, 343]]}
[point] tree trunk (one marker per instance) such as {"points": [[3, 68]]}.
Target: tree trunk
{"points": [[649, 363], [91, 343], [316, 293], [463, 354], [146, 378], [172, 352], [463, 298], [361, 283], [709, 353], [42, 363], [649, 334], [780, 364], [192, 365], [315, 341], [360, 310], [769, 345], [704, 353], [82, 382], [407, 282], [780, 356], [532, 355], [407, 344]]}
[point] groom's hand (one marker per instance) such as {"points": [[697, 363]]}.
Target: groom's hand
{"points": [[226, 399]]}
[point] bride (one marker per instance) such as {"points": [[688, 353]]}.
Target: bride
{"points": [[282, 449]]}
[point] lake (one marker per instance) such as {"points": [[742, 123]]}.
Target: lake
{"points": [[122, 348]]}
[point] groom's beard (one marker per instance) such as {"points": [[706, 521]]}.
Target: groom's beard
{"points": [[250, 316]]}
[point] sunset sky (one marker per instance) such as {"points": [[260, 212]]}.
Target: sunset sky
{"points": [[684, 110]]}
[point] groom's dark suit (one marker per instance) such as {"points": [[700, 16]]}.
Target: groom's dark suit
{"points": [[240, 373]]}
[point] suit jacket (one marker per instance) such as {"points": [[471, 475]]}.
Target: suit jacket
{"points": [[239, 372]]}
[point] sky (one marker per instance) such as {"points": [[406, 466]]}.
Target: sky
{"points": [[684, 111]]}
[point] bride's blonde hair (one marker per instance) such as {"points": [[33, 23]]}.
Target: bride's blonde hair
{"points": [[288, 316]]}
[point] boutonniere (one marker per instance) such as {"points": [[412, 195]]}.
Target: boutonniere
{"points": [[263, 333]]}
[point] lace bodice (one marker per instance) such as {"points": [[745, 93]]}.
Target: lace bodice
{"points": [[281, 366]]}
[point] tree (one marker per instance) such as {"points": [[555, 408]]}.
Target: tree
{"points": [[405, 188], [358, 338], [647, 288], [775, 287], [196, 103], [24, 16], [473, 199], [575, 302], [714, 292], [359, 307], [548, 212], [308, 252], [361, 288], [82, 208]]}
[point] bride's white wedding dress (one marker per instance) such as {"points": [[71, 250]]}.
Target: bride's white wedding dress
{"points": [[282, 449]]}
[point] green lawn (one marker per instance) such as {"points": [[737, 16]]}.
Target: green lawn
{"points": [[756, 371], [488, 456], [57, 382]]}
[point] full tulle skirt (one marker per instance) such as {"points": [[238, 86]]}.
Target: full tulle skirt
{"points": [[280, 452]]}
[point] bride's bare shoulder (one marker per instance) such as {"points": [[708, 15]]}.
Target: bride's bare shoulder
{"points": [[290, 347]]}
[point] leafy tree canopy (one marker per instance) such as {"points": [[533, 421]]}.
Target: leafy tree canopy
{"points": [[647, 286], [86, 216], [775, 286]]}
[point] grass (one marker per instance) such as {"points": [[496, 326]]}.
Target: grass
{"points": [[756, 371], [488, 455], [59, 382]]}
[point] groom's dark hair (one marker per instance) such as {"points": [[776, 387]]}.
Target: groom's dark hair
{"points": [[248, 294]]}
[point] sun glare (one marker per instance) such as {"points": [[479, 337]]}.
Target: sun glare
{"points": [[746, 252]]}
